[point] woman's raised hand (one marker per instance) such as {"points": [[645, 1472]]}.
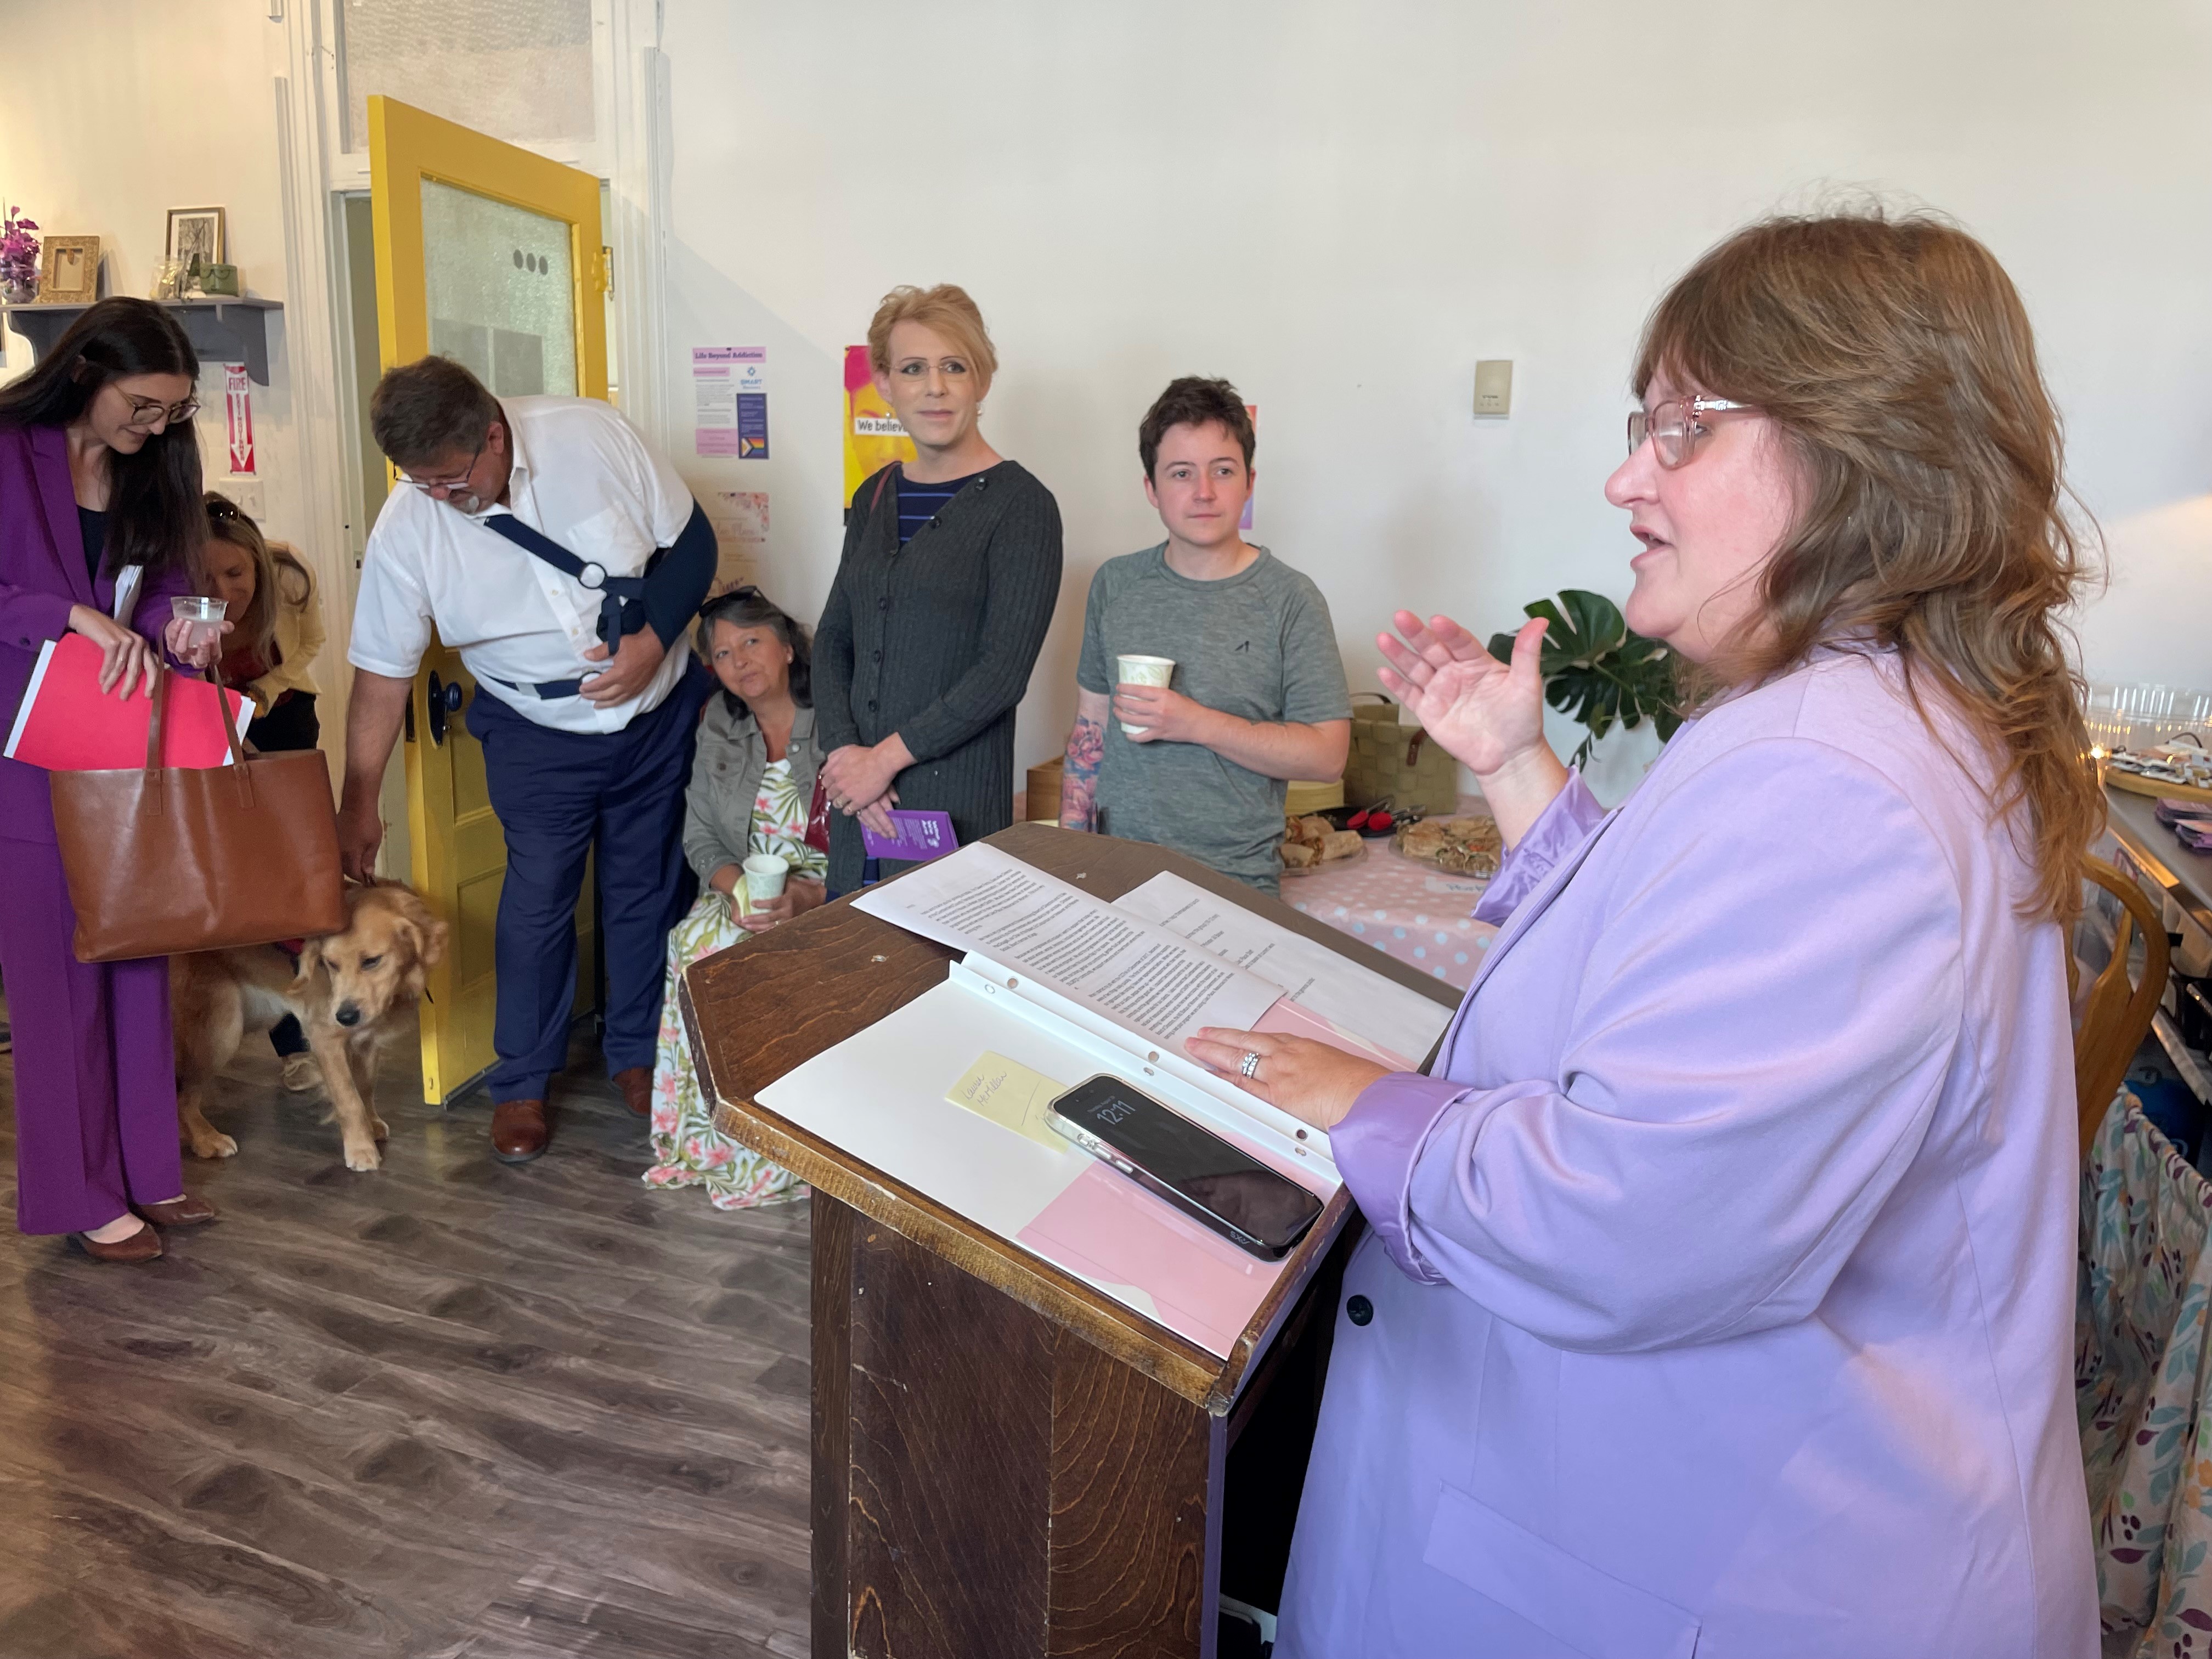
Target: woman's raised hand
{"points": [[1488, 715], [1485, 712]]}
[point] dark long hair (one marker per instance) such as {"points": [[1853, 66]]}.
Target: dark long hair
{"points": [[154, 511], [748, 607]]}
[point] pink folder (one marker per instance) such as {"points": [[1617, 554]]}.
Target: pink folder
{"points": [[67, 724]]}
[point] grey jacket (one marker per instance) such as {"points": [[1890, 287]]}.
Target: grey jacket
{"points": [[935, 641], [726, 768]]}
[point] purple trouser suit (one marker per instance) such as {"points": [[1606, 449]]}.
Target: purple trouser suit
{"points": [[1720, 1294], [95, 1075]]}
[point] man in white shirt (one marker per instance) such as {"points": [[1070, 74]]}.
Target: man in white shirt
{"points": [[562, 560]]}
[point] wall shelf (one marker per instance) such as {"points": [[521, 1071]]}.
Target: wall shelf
{"points": [[222, 330]]}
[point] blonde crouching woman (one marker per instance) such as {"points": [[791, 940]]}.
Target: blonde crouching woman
{"points": [[752, 788]]}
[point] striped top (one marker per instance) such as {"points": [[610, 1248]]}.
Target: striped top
{"points": [[918, 503]]}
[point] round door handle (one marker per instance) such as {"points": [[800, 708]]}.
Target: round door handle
{"points": [[443, 699]]}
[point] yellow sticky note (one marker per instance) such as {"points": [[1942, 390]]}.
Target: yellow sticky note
{"points": [[1011, 1095]]}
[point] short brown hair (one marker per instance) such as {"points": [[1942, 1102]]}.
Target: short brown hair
{"points": [[423, 411], [1193, 400], [1895, 359], [945, 308]]}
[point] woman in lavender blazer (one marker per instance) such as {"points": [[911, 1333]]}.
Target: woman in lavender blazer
{"points": [[99, 495], [1718, 1296]]}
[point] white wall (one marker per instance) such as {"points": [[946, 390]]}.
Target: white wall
{"points": [[111, 113], [171, 110], [1341, 208]]}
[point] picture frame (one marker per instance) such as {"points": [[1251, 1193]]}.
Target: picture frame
{"points": [[201, 233], [68, 271]]}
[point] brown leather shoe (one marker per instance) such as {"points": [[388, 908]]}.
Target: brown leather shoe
{"points": [[144, 1245], [635, 1083], [519, 1131], [185, 1212]]}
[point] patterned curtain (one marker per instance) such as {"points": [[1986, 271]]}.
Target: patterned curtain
{"points": [[2141, 1383]]}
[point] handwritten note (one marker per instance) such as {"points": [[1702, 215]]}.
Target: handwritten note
{"points": [[1011, 1095]]}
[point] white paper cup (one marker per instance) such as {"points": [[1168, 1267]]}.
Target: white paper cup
{"points": [[1142, 671], [205, 615], [764, 876]]}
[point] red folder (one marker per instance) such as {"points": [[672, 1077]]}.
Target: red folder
{"points": [[67, 724]]}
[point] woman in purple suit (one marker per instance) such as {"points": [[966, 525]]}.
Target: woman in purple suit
{"points": [[1718, 1297], [99, 522]]}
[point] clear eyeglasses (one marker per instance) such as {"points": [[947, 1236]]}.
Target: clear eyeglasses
{"points": [[1674, 428], [145, 411]]}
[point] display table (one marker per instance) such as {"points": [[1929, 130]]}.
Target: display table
{"points": [[1414, 913]]}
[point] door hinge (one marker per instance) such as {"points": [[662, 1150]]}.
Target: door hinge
{"points": [[605, 274]]}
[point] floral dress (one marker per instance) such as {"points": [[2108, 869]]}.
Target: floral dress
{"points": [[687, 1150]]}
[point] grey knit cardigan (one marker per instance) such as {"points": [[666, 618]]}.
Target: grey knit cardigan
{"points": [[935, 641]]}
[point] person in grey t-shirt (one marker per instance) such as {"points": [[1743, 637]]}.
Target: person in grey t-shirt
{"points": [[1258, 695]]}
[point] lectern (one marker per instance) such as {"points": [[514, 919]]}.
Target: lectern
{"points": [[1006, 1461]]}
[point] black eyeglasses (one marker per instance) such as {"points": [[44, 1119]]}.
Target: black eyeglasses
{"points": [[222, 510]]}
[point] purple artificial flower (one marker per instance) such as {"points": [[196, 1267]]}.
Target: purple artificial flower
{"points": [[19, 250]]}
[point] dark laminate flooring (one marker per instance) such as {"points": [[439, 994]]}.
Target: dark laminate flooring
{"points": [[453, 1409]]}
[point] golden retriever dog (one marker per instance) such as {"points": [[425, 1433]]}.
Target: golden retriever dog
{"points": [[349, 990]]}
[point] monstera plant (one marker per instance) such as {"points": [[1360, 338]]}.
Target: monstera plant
{"points": [[1596, 671]]}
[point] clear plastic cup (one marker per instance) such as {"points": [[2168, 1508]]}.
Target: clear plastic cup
{"points": [[205, 615]]}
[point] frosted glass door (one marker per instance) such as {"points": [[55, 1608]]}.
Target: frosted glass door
{"points": [[501, 283]]}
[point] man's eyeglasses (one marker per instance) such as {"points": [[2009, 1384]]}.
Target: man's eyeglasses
{"points": [[1674, 428], [145, 411], [426, 485]]}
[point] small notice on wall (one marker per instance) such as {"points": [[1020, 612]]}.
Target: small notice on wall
{"points": [[729, 388], [238, 413], [740, 521]]}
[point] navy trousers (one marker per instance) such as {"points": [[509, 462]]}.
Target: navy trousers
{"points": [[560, 795]]}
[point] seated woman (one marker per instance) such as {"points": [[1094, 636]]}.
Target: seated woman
{"points": [[1720, 1291], [752, 790], [270, 655]]}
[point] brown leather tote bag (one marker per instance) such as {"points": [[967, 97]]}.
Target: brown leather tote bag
{"points": [[175, 859]]}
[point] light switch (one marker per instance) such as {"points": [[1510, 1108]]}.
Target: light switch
{"points": [[1493, 388]]}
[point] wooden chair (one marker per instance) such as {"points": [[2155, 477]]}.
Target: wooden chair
{"points": [[2115, 1016]]}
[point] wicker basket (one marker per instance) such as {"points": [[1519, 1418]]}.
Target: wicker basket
{"points": [[1397, 763]]}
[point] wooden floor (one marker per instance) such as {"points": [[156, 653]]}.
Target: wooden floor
{"points": [[453, 1408]]}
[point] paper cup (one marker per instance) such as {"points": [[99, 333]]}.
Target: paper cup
{"points": [[764, 876], [205, 615], [1142, 671]]}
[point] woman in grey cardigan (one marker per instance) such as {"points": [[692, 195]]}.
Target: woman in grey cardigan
{"points": [[950, 573], [752, 791]]}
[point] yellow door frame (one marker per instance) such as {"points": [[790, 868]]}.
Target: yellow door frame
{"points": [[449, 847]]}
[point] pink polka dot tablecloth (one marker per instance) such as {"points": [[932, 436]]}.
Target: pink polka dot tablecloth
{"points": [[1414, 912]]}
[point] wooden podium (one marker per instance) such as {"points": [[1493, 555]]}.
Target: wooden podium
{"points": [[1007, 1463]]}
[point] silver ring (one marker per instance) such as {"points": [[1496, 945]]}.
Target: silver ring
{"points": [[1251, 1064]]}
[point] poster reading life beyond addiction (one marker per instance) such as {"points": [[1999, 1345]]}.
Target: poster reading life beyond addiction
{"points": [[729, 386], [873, 436]]}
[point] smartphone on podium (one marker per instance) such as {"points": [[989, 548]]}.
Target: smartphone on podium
{"points": [[1219, 1186]]}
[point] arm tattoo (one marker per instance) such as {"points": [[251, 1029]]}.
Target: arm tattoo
{"points": [[1078, 780]]}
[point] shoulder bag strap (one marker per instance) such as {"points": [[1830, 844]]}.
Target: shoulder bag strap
{"points": [[611, 590]]}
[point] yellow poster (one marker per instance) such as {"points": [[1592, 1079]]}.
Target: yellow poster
{"points": [[873, 437]]}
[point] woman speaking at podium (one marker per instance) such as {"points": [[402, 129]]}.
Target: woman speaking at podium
{"points": [[1719, 1297]]}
